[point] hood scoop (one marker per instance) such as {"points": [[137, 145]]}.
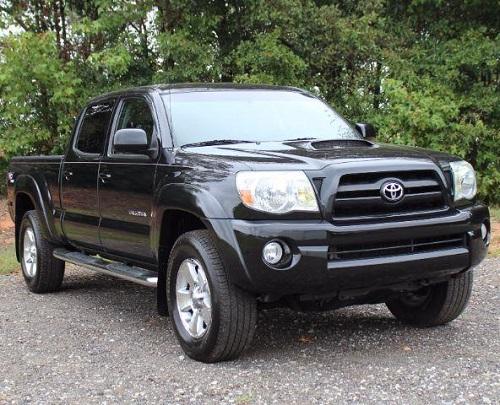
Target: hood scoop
{"points": [[341, 143]]}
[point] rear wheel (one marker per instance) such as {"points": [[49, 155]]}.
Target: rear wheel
{"points": [[213, 319], [434, 305], [41, 270]]}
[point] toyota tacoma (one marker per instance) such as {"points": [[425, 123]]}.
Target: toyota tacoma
{"points": [[226, 198]]}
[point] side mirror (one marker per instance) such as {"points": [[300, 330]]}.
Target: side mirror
{"points": [[366, 130], [131, 140]]}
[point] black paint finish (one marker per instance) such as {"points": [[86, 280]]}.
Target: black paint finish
{"points": [[115, 205], [126, 222]]}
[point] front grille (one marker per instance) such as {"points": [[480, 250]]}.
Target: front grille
{"points": [[358, 195], [392, 248], [449, 177]]}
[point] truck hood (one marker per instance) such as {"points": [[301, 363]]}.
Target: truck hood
{"points": [[307, 155]]}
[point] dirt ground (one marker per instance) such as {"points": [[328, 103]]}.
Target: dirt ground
{"points": [[100, 341], [6, 226], [495, 241]]}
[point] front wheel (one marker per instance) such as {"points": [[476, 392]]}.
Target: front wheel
{"points": [[213, 319], [41, 270], [434, 305]]}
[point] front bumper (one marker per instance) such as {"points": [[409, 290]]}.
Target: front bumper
{"points": [[314, 271]]}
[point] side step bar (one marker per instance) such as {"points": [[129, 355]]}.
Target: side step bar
{"points": [[116, 269]]}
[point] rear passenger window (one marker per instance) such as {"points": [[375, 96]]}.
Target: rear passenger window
{"points": [[94, 127]]}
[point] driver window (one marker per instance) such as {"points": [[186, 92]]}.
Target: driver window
{"points": [[135, 113]]}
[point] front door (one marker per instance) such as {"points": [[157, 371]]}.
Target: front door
{"points": [[126, 186], [79, 176]]}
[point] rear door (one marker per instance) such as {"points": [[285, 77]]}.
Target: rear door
{"points": [[79, 172], [126, 185]]}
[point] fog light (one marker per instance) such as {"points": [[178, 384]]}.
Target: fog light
{"points": [[272, 252]]}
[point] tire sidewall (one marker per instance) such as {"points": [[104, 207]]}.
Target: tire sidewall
{"points": [[445, 303], [188, 247], [430, 307]]}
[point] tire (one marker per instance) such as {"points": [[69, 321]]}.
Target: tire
{"points": [[42, 272], [439, 304], [233, 312]]}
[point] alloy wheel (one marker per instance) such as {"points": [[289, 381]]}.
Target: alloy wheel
{"points": [[194, 303], [29, 252]]}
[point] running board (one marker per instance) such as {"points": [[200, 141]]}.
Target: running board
{"points": [[116, 269]]}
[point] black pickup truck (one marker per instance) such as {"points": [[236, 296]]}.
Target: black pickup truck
{"points": [[228, 197]]}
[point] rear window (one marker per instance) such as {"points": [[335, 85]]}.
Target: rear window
{"points": [[94, 127]]}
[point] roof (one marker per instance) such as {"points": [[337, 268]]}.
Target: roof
{"points": [[195, 86]]}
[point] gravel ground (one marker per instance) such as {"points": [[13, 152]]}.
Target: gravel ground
{"points": [[100, 340]]}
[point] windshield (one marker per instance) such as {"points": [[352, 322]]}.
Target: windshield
{"points": [[252, 115]]}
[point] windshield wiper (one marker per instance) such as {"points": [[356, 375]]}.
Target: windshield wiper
{"points": [[215, 142]]}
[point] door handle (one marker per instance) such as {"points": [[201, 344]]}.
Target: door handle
{"points": [[67, 174], [104, 177]]}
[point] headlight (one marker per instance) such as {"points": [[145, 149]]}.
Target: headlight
{"points": [[464, 180], [276, 192]]}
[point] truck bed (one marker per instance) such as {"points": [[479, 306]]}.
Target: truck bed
{"points": [[44, 170]]}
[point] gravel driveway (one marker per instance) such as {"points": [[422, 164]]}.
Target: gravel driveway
{"points": [[100, 340]]}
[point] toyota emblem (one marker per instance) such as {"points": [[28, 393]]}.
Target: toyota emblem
{"points": [[392, 191]]}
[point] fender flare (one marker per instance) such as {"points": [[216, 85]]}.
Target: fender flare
{"points": [[205, 206], [42, 200], [184, 197]]}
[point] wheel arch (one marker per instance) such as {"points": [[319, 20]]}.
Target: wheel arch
{"points": [[29, 196], [186, 200], [201, 210], [173, 223]]}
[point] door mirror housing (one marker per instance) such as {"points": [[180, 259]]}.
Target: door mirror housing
{"points": [[131, 140], [366, 130]]}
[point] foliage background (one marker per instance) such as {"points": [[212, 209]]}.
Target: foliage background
{"points": [[426, 72]]}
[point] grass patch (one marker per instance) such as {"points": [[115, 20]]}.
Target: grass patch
{"points": [[8, 261]]}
